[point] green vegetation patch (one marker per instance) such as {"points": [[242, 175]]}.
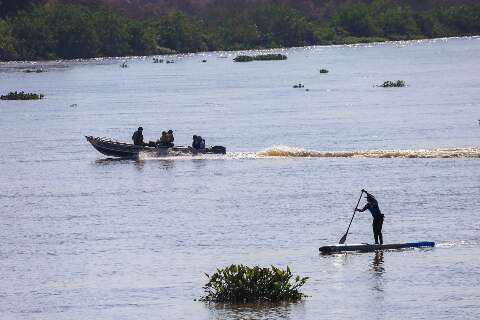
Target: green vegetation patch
{"points": [[35, 71], [261, 57], [14, 95], [244, 284], [393, 84]]}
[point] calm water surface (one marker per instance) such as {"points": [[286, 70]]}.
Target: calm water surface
{"points": [[85, 237]]}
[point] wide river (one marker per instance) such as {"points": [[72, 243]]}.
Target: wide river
{"points": [[86, 237]]}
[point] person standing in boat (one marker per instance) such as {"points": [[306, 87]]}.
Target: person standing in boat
{"points": [[138, 137], [372, 206]]}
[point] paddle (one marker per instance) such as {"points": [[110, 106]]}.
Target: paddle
{"points": [[342, 240]]}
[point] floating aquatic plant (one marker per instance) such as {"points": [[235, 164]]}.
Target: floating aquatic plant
{"points": [[242, 284], [323, 71], [34, 71], [393, 84], [296, 86], [261, 57], [14, 95]]}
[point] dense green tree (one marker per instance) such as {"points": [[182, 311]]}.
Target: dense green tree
{"points": [[180, 32], [35, 39], [399, 23], [284, 26], [12, 7], [7, 43], [112, 31], [142, 38], [74, 32], [357, 21]]}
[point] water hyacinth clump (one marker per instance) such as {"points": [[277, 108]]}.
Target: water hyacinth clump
{"points": [[35, 71], [261, 57], [14, 95], [393, 84], [244, 284]]}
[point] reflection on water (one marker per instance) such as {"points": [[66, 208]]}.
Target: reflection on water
{"points": [[255, 310], [377, 263], [377, 266], [110, 161], [139, 163]]}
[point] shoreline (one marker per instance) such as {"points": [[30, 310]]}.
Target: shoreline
{"points": [[239, 51]]}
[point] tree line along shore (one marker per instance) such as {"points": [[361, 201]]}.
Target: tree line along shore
{"points": [[70, 31]]}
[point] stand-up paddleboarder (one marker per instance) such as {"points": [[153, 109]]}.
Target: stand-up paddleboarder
{"points": [[372, 206]]}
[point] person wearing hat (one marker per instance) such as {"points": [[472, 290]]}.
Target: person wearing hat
{"points": [[372, 206], [138, 137]]}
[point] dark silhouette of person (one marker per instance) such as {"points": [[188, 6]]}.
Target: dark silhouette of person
{"points": [[170, 138], [372, 206], [138, 137], [198, 142], [163, 139]]}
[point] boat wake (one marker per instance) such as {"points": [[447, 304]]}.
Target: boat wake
{"points": [[285, 151], [292, 152]]}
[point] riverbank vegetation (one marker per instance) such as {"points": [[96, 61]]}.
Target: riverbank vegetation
{"points": [[38, 31], [243, 284], [14, 95]]}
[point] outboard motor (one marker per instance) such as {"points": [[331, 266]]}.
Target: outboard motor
{"points": [[218, 149]]}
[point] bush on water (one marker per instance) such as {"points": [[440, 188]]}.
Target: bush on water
{"points": [[261, 57], [14, 95], [34, 71], [393, 84], [243, 284]]}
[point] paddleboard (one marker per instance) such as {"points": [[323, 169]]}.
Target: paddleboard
{"points": [[365, 247]]}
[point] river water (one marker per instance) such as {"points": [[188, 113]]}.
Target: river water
{"points": [[86, 237]]}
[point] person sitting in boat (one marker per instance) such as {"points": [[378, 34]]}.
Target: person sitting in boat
{"points": [[372, 206], [137, 137], [170, 138], [163, 141], [198, 142], [195, 142]]}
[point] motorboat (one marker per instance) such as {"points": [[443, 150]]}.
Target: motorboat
{"points": [[114, 148]]}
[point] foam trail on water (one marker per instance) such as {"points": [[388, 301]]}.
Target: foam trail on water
{"points": [[286, 151]]}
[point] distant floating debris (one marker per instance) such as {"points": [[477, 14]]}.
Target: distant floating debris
{"points": [[262, 57], [298, 86], [14, 95], [74, 105], [124, 64], [393, 84], [157, 60], [170, 61], [323, 71], [35, 70], [204, 60]]}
